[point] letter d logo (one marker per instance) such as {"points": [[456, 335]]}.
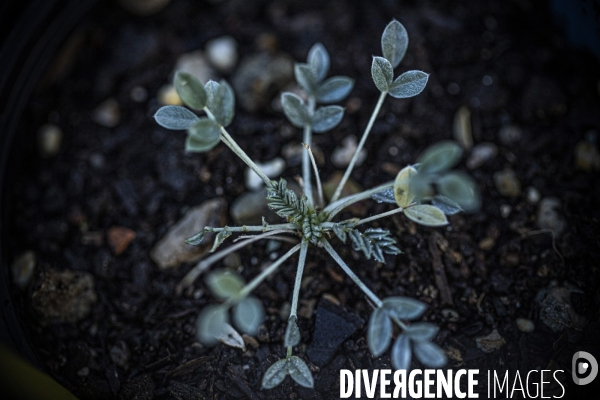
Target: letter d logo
{"points": [[581, 367]]}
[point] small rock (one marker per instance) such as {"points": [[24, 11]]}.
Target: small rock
{"points": [[119, 238], [167, 96], [23, 268], [462, 127], [196, 64], [587, 157], [144, 7], [556, 309], [171, 250], [525, 325], [505, 210], [450, 314], [63, 296], [49, 140], [549, 217], [510, 134], [273, 169], [481, 153], [454, 354], [120, 354], [333, 326], [261, 76], [507, 183], [342, 154], [491, 342], [108, 113], [487, 243], [83, 372], [222, 53], [533, 195]]}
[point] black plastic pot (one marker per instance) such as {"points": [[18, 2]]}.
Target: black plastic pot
{"points": [[32, 33]]}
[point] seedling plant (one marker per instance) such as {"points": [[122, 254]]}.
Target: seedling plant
{"points": [[425, 192]]}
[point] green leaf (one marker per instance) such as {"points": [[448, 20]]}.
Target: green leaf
{"points": [[175, 117], [224, 284], [275, 374], [211, 88], [203, 135], [409, 84], [382, 73], [448, 206], [334, 89], [306, 78], [326, 118], [401, 353], [190, 90], [402, 186], [211, 324], [318, 59], [421, 331], [379, 334], [459, 187], [404, 307], [292, 333], [300, 372], [385, 196], [223, 104], [248, 314], [196, 239], [427, 215], [394, 42], [221, 236], [295, 110], [430, 354], [439, 157]]}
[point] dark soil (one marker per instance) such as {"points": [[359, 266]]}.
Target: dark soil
{"points": [[144, 181]]}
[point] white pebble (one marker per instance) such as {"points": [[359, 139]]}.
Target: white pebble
{"points": [[272, 169], [222, 53]]}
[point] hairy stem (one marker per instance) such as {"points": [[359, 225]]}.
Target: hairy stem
{"points": [[307, 138], [351, 273], [382, 215], [361, 144], [335, 207], [203, 265], [255, 228], [244, 157], [317, 177], [298, 281]]}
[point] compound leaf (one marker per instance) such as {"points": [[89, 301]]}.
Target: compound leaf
{"points": [[394, 42], [334, 89], [379, 333], [190, 90], [426, 215], [326, 118], [409, 84], [382, 73], [175, 117]]}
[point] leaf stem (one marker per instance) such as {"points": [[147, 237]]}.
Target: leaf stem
{"points": [[255, 228], [335, 207], [382, 215], [307, 139], [317, 177], [340, 187], [298, 281], [351, 273]]}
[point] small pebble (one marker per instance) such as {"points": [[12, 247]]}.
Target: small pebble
{"points": [[83, 372], [481, 153], [120, 354], [138, 94], [108, 113], [49, 140], [462, 127], [507, 183], [23, 268], [450, 314], [342, 154], [196, 64], [222, 53], [510, 134], [167, 96], [549, 217], [273, 169], [491, 342], [487, 243], [533, 195], [525, 325], [119, 238], [505, 210]]}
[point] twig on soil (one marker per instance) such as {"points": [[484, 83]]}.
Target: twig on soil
{"points": [[441, 281]]}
